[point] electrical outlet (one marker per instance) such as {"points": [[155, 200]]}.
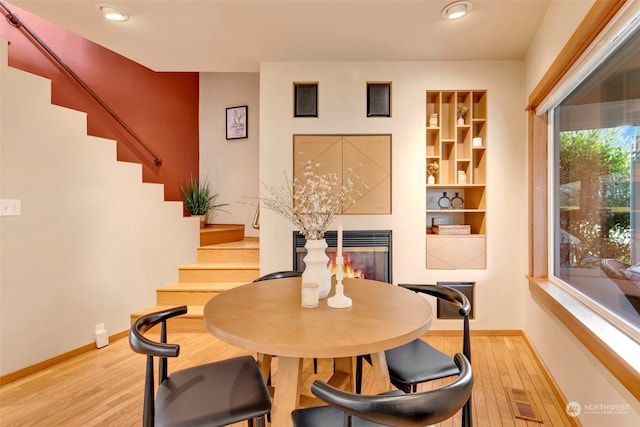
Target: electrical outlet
{"points": [[102, 338], [10, 207]]}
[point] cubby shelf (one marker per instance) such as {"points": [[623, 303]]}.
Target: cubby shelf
{"points": [[457, 145]]}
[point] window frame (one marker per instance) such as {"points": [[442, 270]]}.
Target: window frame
{"points": [[616, 350]]}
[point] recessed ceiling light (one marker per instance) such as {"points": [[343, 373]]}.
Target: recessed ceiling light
{"points": [[456, 10], [112, 13]]}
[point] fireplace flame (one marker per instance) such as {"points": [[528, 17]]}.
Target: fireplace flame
{"points": [[348, 270]]}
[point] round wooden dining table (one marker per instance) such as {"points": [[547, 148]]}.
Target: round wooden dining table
{"points": [[267, 317]]}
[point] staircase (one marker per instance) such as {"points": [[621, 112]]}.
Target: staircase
{"points": [[226, 259]]}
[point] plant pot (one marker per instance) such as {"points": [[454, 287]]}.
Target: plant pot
{"points": [[203, 220]]}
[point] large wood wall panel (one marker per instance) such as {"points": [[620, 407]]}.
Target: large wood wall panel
{"points": [[368, 155]]}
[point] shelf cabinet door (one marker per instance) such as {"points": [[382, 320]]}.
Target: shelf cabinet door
{"points": [[456, 252]]}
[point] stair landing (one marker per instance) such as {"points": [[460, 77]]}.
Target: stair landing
{"points": [[214, 234]]}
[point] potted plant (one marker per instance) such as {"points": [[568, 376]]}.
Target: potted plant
{"points": [[198, 199]]}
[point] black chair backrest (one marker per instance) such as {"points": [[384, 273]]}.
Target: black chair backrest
{"points": [[451, 295], [279, 275], [454, 297], [140, 344], [411, 410]]}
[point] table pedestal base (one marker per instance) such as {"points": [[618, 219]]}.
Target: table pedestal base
{"points": [[288, 388]]}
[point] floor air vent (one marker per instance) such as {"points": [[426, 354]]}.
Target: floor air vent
{"points": [[522, 405]]}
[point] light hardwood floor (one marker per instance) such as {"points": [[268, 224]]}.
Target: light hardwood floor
{"points": [[104, 387]]}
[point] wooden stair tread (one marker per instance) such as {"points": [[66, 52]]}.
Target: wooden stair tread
{"points": [[220, 266], [192, 310], [214, 228], [221, 233], [239, 244], [200, 286]]}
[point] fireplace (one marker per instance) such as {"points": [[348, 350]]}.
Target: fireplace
{"points": [[366, 253]]}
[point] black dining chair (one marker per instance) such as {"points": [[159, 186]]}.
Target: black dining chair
{"points": [[213, 394], [417, 361], [397, 409], [279, 275]]}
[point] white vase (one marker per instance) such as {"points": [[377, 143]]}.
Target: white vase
{"points": [[431, 179], [460, 121], [316, 269]]}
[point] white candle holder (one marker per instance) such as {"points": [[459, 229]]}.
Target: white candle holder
{"points": [[339, 300]]}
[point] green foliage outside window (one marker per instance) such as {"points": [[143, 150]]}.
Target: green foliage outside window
{"points": [[594, 171]]}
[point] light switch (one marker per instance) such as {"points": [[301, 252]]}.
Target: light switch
{"points": [[9, 207]]}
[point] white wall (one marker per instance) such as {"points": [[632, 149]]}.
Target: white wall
{"points": [[342, 100], [558, 25], [93, 242], [232, 166], [581, 377]]}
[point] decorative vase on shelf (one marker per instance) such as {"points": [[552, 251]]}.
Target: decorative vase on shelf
{"points": [[431, 179], [316, 268], [460, 121], [456, 201], [444, 202]]}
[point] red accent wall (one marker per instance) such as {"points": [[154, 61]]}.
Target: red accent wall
{"points": [[161, 108]]}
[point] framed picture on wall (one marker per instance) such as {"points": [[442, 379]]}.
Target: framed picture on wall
{"points": [[237, 122], [305, 99], [378, 99]]}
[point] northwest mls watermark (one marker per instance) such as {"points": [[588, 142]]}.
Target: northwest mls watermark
{"points": [[574, 409]]}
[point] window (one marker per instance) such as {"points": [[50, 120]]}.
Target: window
{"points": [[596, 185]]}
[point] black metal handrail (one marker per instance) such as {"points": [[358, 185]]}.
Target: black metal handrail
{"points": [[15, 21]]}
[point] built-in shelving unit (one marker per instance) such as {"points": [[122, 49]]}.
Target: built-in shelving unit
{"points": [[457, 144]]}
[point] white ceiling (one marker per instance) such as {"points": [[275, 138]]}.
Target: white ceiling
{"points": [[236, 35]]}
